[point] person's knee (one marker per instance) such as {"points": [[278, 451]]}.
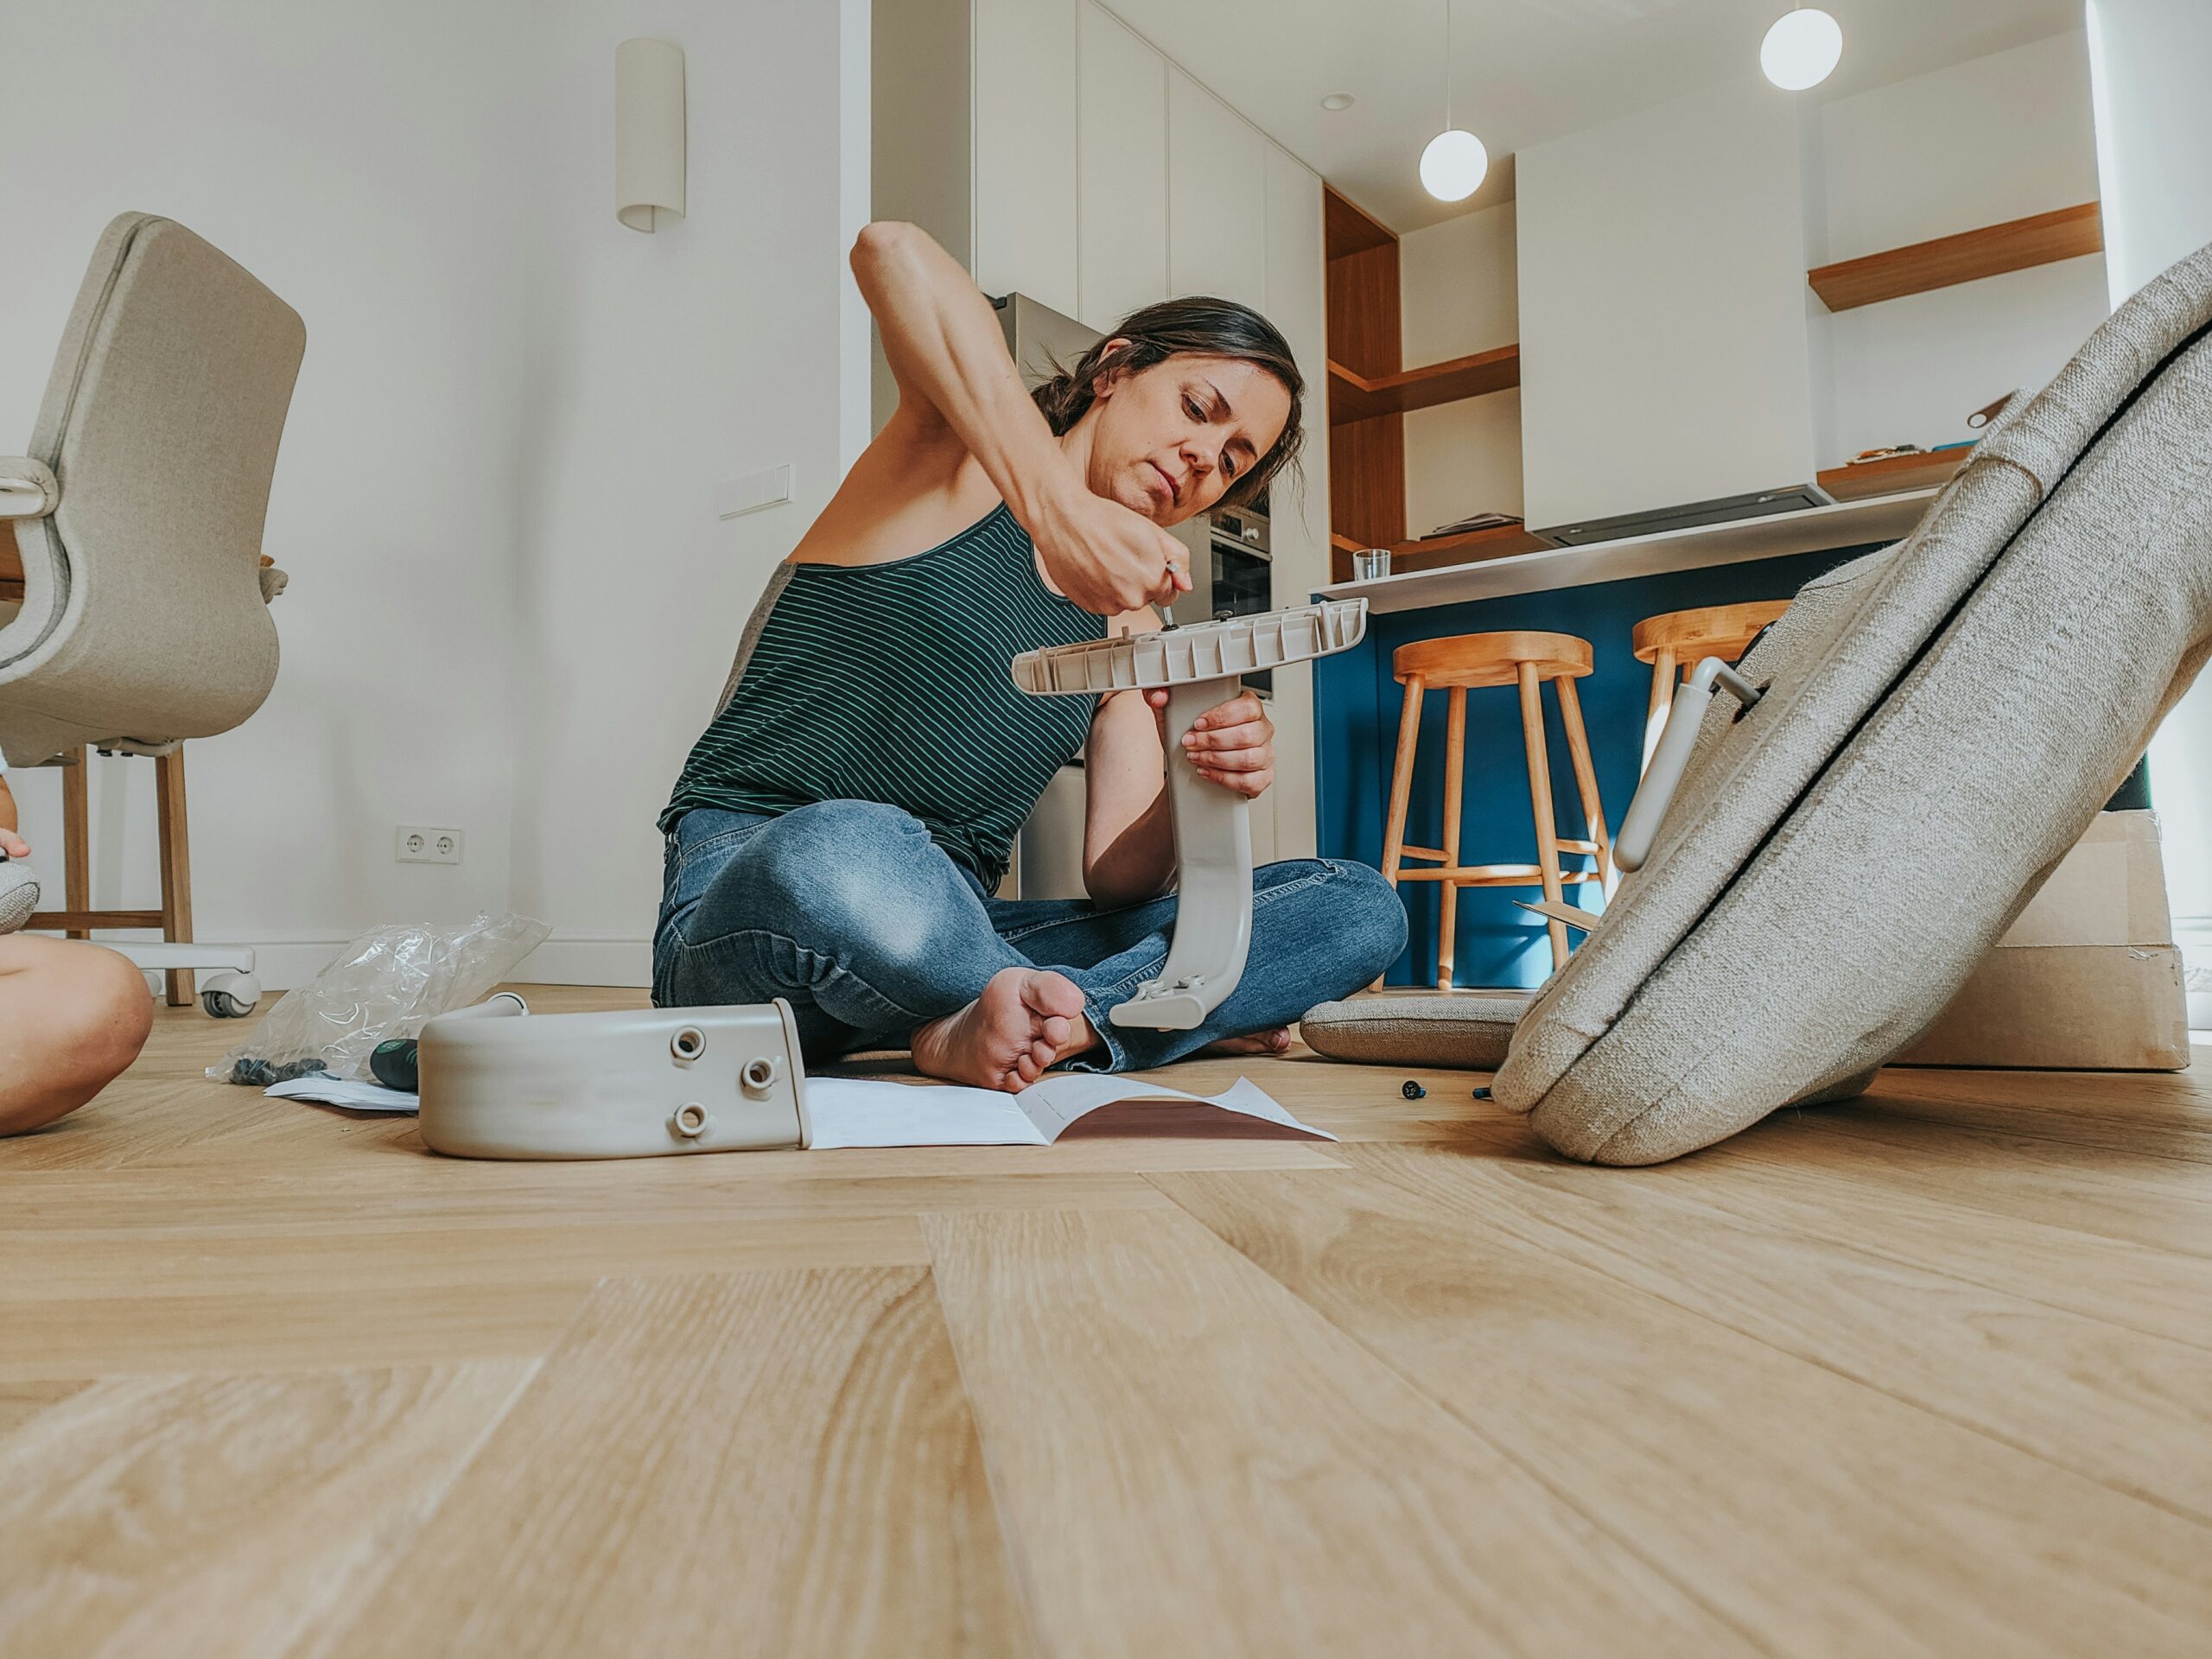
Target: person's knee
{"points": [[1367, 922], [114, 1015], [91, 1019], [840, 870]]}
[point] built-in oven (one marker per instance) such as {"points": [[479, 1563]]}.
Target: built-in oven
{"points": [[1237, 577]]}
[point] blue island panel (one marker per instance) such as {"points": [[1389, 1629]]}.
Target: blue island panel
{"points": [[1357, 707]]}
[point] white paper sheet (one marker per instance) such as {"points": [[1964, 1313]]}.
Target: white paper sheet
{"points": [[868, 1112], [863, 1112], [343, 1091]]}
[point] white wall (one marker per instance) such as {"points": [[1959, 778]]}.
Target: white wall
{"points": [[1459, 293], [1997, 138], [383, 190], [1663, 346], [2154, 143], [511, 603], [721, 345]]}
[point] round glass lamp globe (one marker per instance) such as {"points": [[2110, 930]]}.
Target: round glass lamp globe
{"points": [[1452, 167], [1801, 49]]}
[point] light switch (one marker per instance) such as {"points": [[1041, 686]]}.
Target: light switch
{"points": [[739, 496]]}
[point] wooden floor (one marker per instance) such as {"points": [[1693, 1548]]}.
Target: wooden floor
{"points": [[1929, 1373]]}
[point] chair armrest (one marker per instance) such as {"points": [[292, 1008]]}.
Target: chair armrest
{"points": [[28, 488]]}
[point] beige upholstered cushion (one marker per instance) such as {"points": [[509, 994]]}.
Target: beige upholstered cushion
{"points": [[143, 616], [1468, 1029], [1942, 722]]}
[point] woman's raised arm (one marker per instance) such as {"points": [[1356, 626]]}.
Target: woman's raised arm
{"points": [[944, 347]]}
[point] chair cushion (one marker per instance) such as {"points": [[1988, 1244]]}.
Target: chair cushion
{"points": [[1941, 723], [1467, 1030]]}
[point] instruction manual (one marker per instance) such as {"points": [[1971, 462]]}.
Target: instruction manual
{"points": [[869, 1112], [863, 1112]]}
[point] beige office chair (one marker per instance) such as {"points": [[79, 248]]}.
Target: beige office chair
{"points": [[142, 615]]}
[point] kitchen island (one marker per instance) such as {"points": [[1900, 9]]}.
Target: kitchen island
{"points": [[1598, 592]]}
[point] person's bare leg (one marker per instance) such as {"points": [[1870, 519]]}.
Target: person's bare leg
{"points": [[1027, 1018], [72, 1016]]}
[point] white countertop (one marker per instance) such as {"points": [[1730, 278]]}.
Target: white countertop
{"points": [[1848, 523]]}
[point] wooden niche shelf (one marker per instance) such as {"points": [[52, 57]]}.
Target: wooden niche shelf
{"points": [[1354, 396], [1893, 474], [1435, 552], [2017, 244]]}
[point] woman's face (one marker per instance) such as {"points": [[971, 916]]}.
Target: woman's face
{"points": [[1168, 441]]}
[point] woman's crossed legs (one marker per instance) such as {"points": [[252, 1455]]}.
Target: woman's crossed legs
{"points": [[850, 912]]}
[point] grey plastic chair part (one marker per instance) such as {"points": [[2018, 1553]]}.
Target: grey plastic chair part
{"points": [[18, 894], [632, 1083], [1199, 666], [139, 509], [1648, 809]]}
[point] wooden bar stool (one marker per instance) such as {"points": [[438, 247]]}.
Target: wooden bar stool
{"points": [[1471, 661], [1676, 643]]}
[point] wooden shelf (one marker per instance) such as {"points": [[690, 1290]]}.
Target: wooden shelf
{"points": [[1437, 551], [2016, 245], [1346, 227], [1354, 396], [1896, 474]]}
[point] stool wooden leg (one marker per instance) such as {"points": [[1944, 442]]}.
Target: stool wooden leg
{"points": [[176, 867], [1585, 778], [1662, 700], [1402, 781], [1540, 800], [1401, 784], [1455, 764], [77, 835]]}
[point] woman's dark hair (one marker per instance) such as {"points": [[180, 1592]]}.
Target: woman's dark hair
{"points": [[1196, 324]]}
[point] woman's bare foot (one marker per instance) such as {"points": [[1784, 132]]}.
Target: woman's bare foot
{"points": [[1025, 1019], [1259, 1042]]}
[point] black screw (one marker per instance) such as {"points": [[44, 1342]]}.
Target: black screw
{"points": [[1412, 1091], [1482, 1093]]}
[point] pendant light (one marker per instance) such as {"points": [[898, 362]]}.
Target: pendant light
{"points": [[1801, 49], [1452, 166]]}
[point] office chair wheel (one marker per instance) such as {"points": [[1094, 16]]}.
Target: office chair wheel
{"points": [[230, 996]]}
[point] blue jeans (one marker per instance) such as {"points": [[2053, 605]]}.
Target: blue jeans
{"points": [[848, 910]]}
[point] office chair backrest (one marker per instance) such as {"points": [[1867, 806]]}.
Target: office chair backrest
{"points": [[143, 619]]}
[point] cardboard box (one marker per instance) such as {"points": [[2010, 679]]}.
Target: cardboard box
{"points": [[2087, 979]]}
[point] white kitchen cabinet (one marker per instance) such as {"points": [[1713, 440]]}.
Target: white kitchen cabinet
{"points": [[1298, 521], [1026, 176], [1122, 146], [1216, 197]]}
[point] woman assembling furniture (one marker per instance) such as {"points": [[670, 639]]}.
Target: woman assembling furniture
{"points": [[837, 832]]}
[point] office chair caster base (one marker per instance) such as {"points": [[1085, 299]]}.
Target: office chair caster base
{"points": [[228, 995]]}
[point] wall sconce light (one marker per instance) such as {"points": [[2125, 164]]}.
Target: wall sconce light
{"points": [[648, 133]]}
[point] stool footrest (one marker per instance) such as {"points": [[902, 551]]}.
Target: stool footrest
{"points": [[1497, 875], [1438, 856]]}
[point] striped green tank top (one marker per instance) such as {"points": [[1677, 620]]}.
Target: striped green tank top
{"points": [[888, 683]]}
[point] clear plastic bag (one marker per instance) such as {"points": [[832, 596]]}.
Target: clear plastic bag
{"points": [[386, 983]]}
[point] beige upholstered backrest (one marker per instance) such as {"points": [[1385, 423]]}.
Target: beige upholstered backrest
{"points": [[1940, 725], [143, 618]]}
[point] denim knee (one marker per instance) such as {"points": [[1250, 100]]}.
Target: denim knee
{"points": [[833, 871], [1368, 924]]}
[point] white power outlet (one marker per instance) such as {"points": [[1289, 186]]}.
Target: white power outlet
{"points": [[421, 845]]}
